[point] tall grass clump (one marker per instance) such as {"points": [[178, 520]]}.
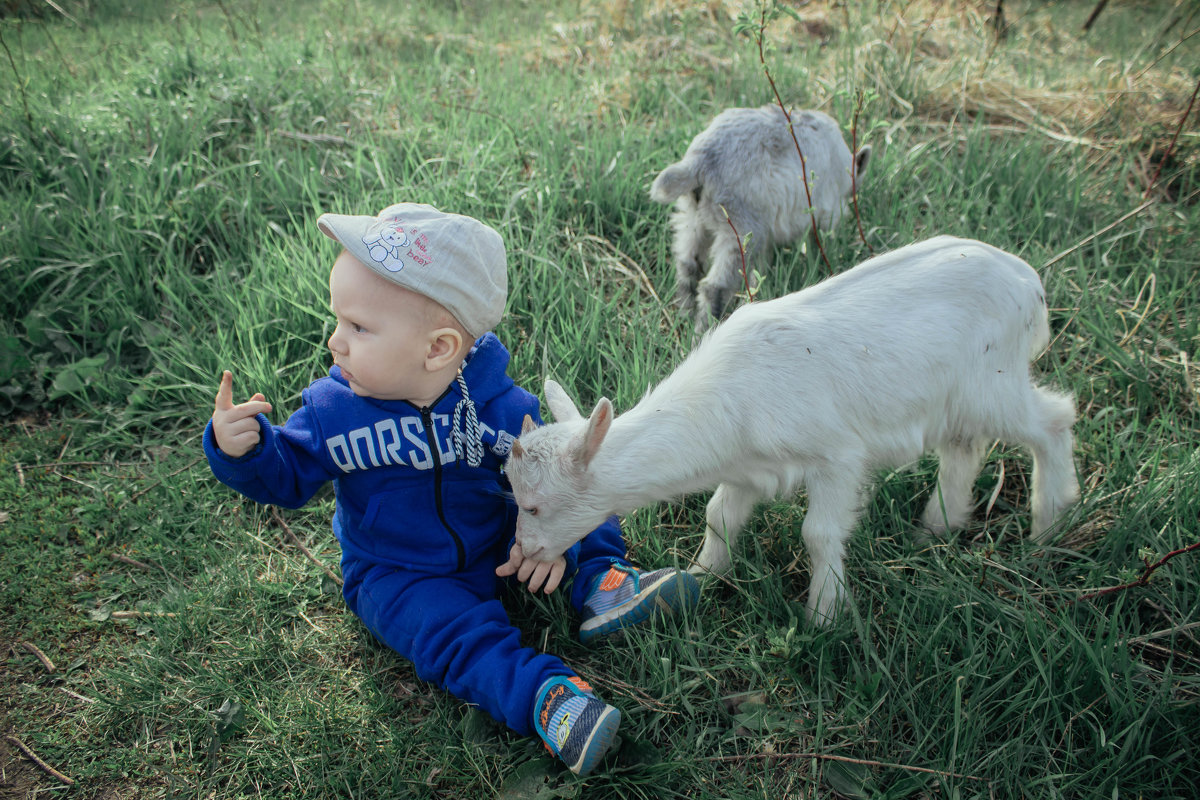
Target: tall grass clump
{"points": [[161, 169]]}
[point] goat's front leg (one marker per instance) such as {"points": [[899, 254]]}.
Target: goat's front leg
{"points": [[833, 509], [726, 514]]}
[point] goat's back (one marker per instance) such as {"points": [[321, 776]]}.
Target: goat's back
{"points": [[746, 160], [902, 345]]}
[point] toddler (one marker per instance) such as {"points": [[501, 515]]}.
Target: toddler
{"points": [[412, 425]]}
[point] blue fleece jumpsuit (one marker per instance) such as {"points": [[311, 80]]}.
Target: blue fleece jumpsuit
{"points": [[421, 531]]}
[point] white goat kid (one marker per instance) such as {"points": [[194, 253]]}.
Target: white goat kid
{"points": [[745, 164], [927, 347]]}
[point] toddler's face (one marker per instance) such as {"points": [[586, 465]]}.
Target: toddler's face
{"points": [[382, 331]]}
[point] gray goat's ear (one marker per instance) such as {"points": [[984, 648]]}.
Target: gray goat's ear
{"points": [[861, 159], [593, 435], [561, 406]]}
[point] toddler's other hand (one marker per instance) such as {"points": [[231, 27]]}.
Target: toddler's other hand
{"points": [[535, 573], [234, 426]]}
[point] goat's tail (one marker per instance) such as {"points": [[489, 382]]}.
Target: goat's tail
{"points": [[1039, 326], [673, 182]]}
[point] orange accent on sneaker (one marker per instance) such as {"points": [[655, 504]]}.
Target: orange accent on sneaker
{"points": [[582, 684], [612, 580]]}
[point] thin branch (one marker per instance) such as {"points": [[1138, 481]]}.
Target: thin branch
{"points": [[845, 759], [1099, 233], [1142, 579], [36, 759], [1171, 147], [46, 662], [314, 138], [133, 562], [138, 494], [1170, 50], [742, 253], [858, 106], [296, 541], [812, 214], [1087, 26], [20, 81], [1166, 632], [76, 695], [60, 10]]}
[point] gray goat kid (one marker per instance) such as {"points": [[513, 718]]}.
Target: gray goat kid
{"points": [[745, 164]]}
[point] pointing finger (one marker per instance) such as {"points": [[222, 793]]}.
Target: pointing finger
{"points": [[225, 392]]}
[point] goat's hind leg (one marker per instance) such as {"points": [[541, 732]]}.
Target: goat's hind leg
{"points": [[690, 247], [731, 265], [953, 501], [1055, 485], [726, 515]]}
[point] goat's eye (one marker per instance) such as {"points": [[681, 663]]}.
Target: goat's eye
{"points": [[533, 512]]}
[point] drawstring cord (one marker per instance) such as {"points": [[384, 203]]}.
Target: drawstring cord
{"points": [[467, 440]]}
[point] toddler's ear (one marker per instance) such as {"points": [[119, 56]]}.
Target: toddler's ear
{"points": [[444, 347]]}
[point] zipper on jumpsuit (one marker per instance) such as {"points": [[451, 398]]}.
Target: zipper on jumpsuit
{"points": [[427, 419]]}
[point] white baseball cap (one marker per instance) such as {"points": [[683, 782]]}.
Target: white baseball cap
{"points": [[456, 261]]}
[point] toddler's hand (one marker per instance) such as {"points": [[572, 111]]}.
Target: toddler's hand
{"points": [[234, 426], [535, 573]]}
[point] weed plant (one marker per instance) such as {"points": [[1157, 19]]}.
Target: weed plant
{"points": [[161, 168]]}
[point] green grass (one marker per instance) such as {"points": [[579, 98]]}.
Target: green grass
{"points": [[161, 167]]}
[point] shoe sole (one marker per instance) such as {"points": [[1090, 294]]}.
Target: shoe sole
{"points": [[666, 593], [598, 743]]}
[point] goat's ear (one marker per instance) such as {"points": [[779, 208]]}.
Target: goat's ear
{"points": [[861, 159], [528, 425], [561, 406], [594, 433]]}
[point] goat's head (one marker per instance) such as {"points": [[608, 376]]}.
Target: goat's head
{"points": [[556, 496]]}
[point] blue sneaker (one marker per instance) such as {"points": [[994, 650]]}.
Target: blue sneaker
{"points": [[574, 724], [623, 597]]}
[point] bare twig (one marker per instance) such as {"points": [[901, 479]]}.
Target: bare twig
{"points": [[858, 106], [296, 541], [141, 614], [20, 81], [1142, 579], [1171, 147], [845, 759], [1099, 233], [184, 468], [46, 662], [742, 253], [635, 270], [314, 138], [32, 756], [1168, 52], [60, 10], [133, 562], [812, 214], [77, 695], [1166, 632], [638, 696], [1087, 26]]}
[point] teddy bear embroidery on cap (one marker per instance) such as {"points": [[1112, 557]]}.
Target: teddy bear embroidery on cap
{"points": [[384, 245]]}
